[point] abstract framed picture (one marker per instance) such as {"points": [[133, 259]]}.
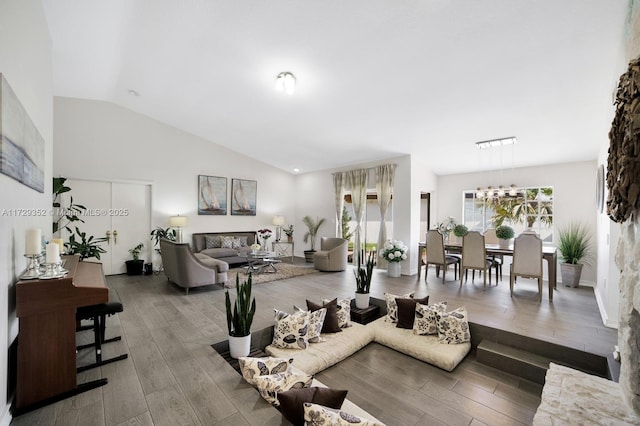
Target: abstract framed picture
{"points": [[21, 145], [243, 197], [212, 195]]}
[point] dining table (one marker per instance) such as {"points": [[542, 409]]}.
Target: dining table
{"points": [[549, 253]]}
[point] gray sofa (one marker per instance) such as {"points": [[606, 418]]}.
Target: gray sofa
{"points": [[214, 249], [188, 269]]}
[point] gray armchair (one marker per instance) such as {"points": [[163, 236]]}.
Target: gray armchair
{"points": [[187, 269], [332, 255]]}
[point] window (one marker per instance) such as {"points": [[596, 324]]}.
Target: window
{"points": [[371, 221], [530, 208]]}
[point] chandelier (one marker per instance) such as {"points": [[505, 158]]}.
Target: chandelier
{"points": [[501, 191]]}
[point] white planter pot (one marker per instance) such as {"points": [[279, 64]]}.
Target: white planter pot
{"points": [[239, 346], [362, 300], [570, 274], [504, 243], [394, 269]]}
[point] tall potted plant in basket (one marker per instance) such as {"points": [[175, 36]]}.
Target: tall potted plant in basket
{"points": [[310, 236], [363, 281], [573, 245], [394, 252], [240, 318]]}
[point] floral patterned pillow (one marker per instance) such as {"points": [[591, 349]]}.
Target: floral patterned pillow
{"points": [[315, 414], [426, 320], [316, 321], [270, 386], [392, 307], [343, 313], [453, 327], [291, 330], [254, 367]]}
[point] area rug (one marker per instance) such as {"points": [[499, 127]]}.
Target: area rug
{"points": [[284, 270]]}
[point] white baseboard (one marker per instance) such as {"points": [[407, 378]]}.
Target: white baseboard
{"points": [[608, 322]]}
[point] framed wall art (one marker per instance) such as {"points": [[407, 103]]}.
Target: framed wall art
{"points": [[212, 195], [21, 145], [243, 197]]}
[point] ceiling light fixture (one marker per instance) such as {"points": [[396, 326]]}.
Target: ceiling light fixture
{"points": [[286, 82], [496, 142]]}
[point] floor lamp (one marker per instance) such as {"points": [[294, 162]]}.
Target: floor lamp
{"points": [[178, 222]]}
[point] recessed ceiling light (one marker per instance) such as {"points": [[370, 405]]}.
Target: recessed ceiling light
{"points": [[296, 170], [286, 82], [133, 92]]}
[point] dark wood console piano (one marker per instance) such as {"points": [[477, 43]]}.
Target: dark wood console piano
{"points": [[47, 333]]}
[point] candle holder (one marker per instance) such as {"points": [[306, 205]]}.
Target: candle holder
{"points": [[50, 271], [33, 267]]}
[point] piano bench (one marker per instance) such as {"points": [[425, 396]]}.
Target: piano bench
{"points": [[98, 314]]}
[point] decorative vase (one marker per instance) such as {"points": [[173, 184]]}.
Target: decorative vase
{"points": [[239, 346], [393, 269], [289, 239], [362, 300], [504, 243]]}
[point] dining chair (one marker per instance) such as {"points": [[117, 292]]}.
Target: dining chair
{"points": [[527, 260], [436, 256], [474, 256], [497, 261]]}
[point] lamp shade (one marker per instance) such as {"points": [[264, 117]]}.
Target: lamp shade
{"points": [[177, 221], [277, 220]]}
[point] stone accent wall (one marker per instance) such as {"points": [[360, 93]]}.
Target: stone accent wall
{"points": [[628, 261]]}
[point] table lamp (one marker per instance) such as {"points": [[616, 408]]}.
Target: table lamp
{"points": [[278, 221], [178, 222]]}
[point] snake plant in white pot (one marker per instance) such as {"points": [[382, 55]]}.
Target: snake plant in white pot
{"points": [[363, 281], [240, 318]]}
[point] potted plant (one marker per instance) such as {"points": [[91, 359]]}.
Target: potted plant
{"points": [[135, 266], [159, 233], [85, 247], [460, 231], [505, 234], [394, 252], [240, 318], [289, 233], [363, 281], [573, 245], [310, 236]]}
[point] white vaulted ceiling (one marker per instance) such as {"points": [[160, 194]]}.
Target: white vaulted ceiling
{"points": [[376, 78]]}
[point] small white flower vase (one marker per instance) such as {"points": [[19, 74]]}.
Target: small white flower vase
{"points": [[394, 269]]}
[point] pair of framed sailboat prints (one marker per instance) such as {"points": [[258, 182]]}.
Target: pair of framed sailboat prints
{"points": [[212, 196]]}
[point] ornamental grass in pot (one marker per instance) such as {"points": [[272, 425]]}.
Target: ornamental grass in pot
{"points": [[574, 242]]}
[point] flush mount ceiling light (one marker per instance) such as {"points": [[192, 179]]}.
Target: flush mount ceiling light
{"points": [[496, 142], [133, 92], [286, 82]]}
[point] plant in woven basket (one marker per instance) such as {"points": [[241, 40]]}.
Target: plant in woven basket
{"points": [[240, 317]]}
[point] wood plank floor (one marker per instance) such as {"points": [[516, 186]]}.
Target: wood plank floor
{"points": [[174, 377]]}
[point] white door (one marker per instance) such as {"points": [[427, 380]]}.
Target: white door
{"points": [[119, 211]]}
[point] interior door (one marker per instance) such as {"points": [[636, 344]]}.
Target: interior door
{"points": [[119, 211]]}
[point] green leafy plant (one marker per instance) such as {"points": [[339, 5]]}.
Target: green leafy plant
{"points": [[70, 213], [504, 232], [85, 247], [240, 318], [312, 230], [460, 230], [288, 231], [364, 274], [573, 244], [135, 252], [344, 224], [159, 233]]}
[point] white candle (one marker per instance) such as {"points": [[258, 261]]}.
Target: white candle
{"points": [[59, 242], [53, 253], [33, 241]]}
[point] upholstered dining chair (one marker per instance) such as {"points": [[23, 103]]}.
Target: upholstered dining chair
{"points": [[436, 256], [474, 256], [527, 260], [497, 261]]}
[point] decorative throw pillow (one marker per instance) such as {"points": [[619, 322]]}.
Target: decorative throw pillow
{"points": [[330, 324], [212, 241], [292, 401], [291, 330], [343, 313], [392, 307], [242, 241], [270, 386], [453, 327], [254, 367], [226, 242], [316, 320], [426, 318], [407, 311], [315, 414]]}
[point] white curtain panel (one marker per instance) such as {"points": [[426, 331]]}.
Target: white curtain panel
{"points": [[384, 187], [358, 185], [339, 179]]}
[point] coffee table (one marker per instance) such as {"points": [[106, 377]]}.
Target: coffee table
{"points": [[258, 261]]}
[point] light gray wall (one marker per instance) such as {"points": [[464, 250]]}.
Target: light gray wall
{"points": [[25, 61]]}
